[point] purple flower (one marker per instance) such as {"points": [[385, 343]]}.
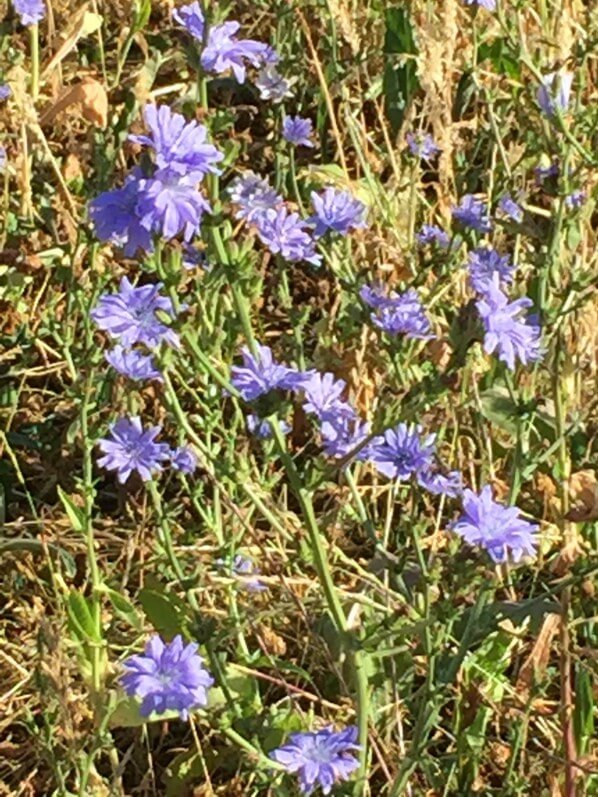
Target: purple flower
{"points": [[116, 218], [167, 677], [432, 234], [260, 374], [483, 263], [514, 337], [472, 212], [575, 200], [272, 85], [554, 92], [422, 146], [402, 452], [133, 364], [191, 17], [253, 195], [489, 5], [320, 758], [398, 314], [497, 528], [224, 51], [323, 397], [246, 571], [285, 233], [338, 211], [171, 204], [297, 130], [184, 460], [262, 428], [132, 449], [130, 315], [342, 434], [437, 483], [180, 146], [5, 91], [510, 208], [543, 173], [30, 11], [194, 258]]}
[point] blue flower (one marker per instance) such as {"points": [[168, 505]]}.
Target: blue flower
{"points": [[171, 204], [224, 51], [323, 394], [497, 528], [167, 677], [422, 146], [543, 173], [184, 460], [272, 85], [132, 449], [472, 212], [30, 11], [253, 195], [554, 92], [575, 200], [5, 91], [179, 146], [338, 211], [297, 130], [133, 364], [261, 373], [483, 263], [432, 234], [116, 218], [191, 17], [319, 758], [262, 428], [402, 452], [489, 5], [130, 315], [246, 572], [342, 433], [510, 208], [514, 337], [398, 314], [438, 483], [2, 157], [286, 234]]}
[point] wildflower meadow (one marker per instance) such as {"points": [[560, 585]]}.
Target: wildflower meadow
{"points": [[298, 377]]}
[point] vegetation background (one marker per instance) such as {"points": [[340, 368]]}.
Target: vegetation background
{"points": [[478, 681]]}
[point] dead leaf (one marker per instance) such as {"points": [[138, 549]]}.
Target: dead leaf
{"points": [[584, 497], [89, 96], [83, 24], [535, 665]]}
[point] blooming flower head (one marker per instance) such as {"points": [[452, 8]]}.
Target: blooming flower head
{"points": [[224, 51], [179, 146], [116, 218], [167, 677], [272, 85], [297, 130], [554, 92], [5, 91], [483, 263], [323, 396], [497, 528], [253, 195], [132, 449], [320, 758], [510, 208], [398, 314], [130, 315], [507, 330], [402, 452], [342, 434], [171, 204], [432, 234], [489, 5], [438, 483], [30, 11], [575, 200], [261, 373], [191, 17], [133, 364], [338, 211], [422, 146], [286, 234], [472, 212], [262, 427], [184, 460]]}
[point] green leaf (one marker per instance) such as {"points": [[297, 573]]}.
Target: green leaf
{"points": [[399, 82], [127, 715], [80, 618], [583, 713], [160, 611], [75, 513], [37, 547], [499, 408], [123, 608]]}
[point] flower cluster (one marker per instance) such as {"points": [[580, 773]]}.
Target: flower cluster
{"points": [[483, 263], [397, 314]]}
